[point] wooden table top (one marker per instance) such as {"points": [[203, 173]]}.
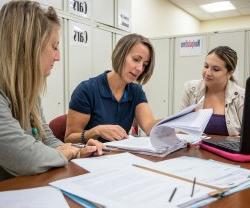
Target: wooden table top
{"points": [[238, 200]]}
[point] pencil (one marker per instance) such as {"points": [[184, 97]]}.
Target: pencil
{"points": [[172, 195], [194, 181]]}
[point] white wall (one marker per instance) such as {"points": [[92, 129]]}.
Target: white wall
{"points": [[225, 24], [154, 18]]}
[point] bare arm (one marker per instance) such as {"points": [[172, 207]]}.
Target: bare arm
{"points": [[77, 121], [144, 117]]}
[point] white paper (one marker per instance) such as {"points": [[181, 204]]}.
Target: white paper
{"points": [[186, 120], [143, 145], [219, 174], [42, 197], [131, 187], [116, 161], [163, 139], [192, 139]]}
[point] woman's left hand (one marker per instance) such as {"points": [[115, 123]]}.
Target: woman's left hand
{"points": [[92, 147]]}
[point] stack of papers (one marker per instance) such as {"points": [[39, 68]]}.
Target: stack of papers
{"points": [[188, 120], [143, 145], [131, 187], [151, 184], [163, 139]]}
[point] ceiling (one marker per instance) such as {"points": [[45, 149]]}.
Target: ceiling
{"points": [[192, 7]]}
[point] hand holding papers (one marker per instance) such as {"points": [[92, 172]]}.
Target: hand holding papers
{"points": [[163, 140]]}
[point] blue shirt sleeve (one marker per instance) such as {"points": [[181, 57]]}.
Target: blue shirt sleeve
{"points": [[140, 95], [81, 98]]}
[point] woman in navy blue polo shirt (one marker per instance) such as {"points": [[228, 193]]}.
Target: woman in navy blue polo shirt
{"points": [[105, 106]]}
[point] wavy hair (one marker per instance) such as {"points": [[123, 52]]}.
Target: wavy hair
{"points": [[25, 29]]}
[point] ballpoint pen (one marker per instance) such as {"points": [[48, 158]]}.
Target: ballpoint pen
{"points": [[80, 145], [172, 195], [194, 181]]}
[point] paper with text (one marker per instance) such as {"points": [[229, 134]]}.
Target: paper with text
{"points": [[163, 139], [132, 187], [212, 172], [188, 121]]}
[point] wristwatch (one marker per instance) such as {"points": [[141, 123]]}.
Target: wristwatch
{"points": [[83, 138]]}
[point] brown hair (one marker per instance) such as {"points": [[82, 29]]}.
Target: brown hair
{"points": [[122, 49], [25, 29], [228, 55]]}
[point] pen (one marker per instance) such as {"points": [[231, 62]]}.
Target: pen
{"points": [[194, 181], [172, 195], [79, 145]]}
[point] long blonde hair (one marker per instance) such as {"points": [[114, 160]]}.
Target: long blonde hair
{"points": [[24, 31]]}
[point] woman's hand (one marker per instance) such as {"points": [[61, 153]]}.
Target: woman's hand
{"points": [[68, 151], [93, 147], [111, 132]]}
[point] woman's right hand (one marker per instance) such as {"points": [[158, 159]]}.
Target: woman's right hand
{"points": [[93, 147], [68, 150], [111, 132]]}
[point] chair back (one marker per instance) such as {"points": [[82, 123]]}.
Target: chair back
{"points": [[58, 126]]}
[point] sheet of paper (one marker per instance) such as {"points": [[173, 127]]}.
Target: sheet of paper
{"points": [[132, 187], [116, 161], [207, 171], [41, 197], [192, 139], [144, 145], [192, 123]]}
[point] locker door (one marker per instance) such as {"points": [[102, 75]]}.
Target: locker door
{"points": [[117, 38], [235, 40], [55, 3], [104, 11], [102, 51], [157, 87], [80, 7], [53, 99], [186, 68], [79, 54]]}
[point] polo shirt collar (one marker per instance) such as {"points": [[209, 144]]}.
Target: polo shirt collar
{"points": [[106, 92]]}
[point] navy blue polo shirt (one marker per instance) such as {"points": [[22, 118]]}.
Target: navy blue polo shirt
{"points": [[95, 97]]}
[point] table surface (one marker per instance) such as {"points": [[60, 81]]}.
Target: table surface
{"points": [[238, 200]]}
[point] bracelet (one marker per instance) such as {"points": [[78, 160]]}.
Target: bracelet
{"points": [[83, 138]]}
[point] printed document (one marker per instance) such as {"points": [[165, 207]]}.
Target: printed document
{"points": [[219, 174], [132, 187], [163, 139]]}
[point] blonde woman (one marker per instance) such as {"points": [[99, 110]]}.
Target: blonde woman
{"points": [[29, 38]]}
